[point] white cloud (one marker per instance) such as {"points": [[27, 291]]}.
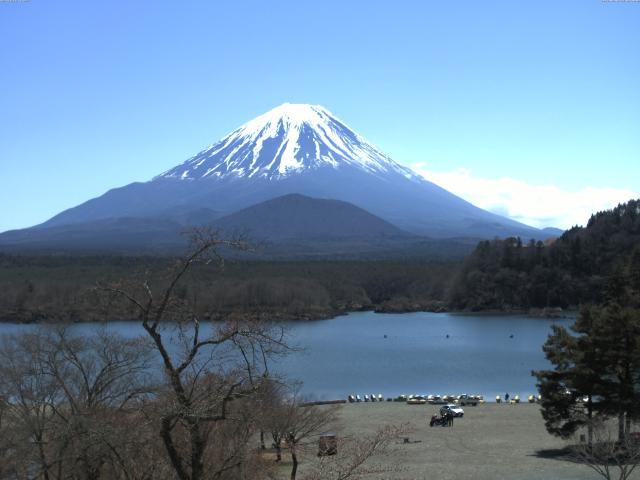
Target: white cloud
{"points": [[535, 205]]}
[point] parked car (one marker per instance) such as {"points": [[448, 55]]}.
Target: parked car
{"points": [[467, 400], [435, 400], [416, 400], [455, 410]]}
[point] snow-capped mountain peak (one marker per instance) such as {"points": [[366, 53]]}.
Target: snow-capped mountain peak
{"points": [[288, 139], [290, 150]]}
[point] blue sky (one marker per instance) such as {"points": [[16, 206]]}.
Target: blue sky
{"points": [[530, 109]]}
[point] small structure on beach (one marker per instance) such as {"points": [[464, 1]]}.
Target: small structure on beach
{"points": [[327, 445]]}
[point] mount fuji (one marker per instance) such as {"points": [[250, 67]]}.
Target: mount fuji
{"points": [[292, 149]]}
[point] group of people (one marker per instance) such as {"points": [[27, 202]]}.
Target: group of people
{"points": [[446, 420]]}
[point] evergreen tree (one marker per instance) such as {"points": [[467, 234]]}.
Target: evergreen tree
{"points": [[560, 410], [570, 271], [596, 371], [612, 334]]}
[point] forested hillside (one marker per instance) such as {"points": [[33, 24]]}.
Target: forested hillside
{"points": [[578, 268], [63, 288]]}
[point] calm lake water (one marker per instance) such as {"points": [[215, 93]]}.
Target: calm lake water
{"points": [[394, 354]]}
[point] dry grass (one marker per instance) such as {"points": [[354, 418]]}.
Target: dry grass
{"points": [[492, 441]]}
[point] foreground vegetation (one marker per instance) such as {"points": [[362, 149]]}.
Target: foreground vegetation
{"points": [[595, 380], [180, 401], [206, 405]]}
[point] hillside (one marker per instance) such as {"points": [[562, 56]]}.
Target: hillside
{"points": [[298, 216], [290, 227], [579, 267]]}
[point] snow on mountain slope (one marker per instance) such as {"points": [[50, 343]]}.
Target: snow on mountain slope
{"points": [[296, 149], [287, 140]]}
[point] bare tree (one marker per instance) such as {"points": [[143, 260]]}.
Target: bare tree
{"points": [[294, 423], [269, 403], [608, 455], [207, 370], [27, 418], [306, 423], [66, 396], [354, 456]]}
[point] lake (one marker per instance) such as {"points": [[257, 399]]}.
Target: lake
{"points": [[392, 354], [485, 354]]}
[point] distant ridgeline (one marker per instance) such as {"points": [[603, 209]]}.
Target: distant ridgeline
{"points": [[584, 265]]}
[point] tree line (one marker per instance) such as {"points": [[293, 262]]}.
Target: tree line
{"points": [[573, 270], [51, 289], [502, 274], [595, 380]]}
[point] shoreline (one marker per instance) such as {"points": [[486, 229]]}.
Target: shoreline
{"points": [[38, 318]]}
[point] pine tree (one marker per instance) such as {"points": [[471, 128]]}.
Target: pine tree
{"points": [[613, 333], [596, 371], [563, 388]]}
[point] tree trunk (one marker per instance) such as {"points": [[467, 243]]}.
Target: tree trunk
{"points": [[174, 456], [294, 459], [262, 445], [621, 426], [277, 446], [590, 424], [43, 459], [197, 451]]}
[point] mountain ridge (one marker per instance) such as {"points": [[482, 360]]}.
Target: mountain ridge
{"points": [[289, 227]]}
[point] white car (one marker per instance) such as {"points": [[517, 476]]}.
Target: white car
{"points": [[452, 408]]}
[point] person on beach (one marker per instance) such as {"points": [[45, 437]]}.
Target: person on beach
{"points": [[506, 397], [447, 419]]}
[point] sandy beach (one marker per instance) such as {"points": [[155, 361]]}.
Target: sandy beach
{"points": [[492, 441]]}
